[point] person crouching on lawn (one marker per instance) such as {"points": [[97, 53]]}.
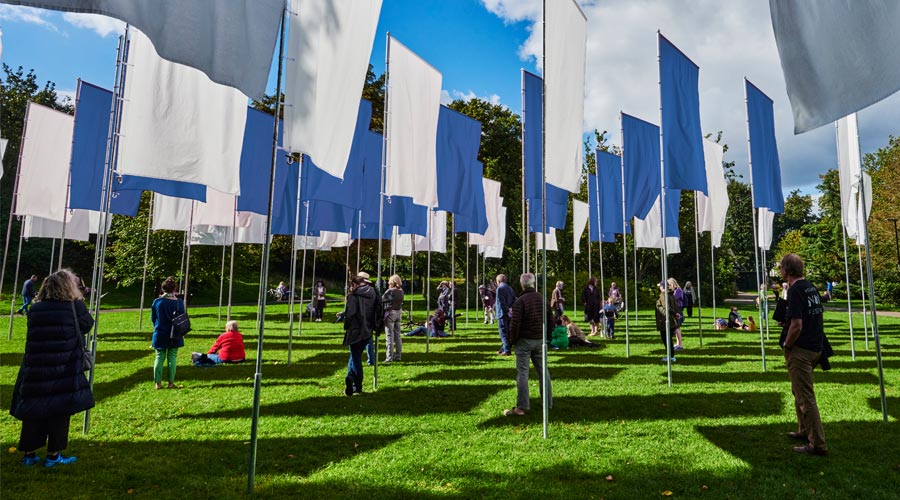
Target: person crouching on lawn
{"points": [[525, 332], [229, 347]]}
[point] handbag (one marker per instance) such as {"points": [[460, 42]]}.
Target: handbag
{"points": [[181, 325], [87, 357]]}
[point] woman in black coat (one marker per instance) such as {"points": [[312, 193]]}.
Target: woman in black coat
{"points": [[51, 385], [359, 323], [590, 297]]}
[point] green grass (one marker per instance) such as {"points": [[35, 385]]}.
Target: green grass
{"points": [[433, 428]]}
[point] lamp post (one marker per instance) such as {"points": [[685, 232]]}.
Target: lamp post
{"points": [[896, 241]]}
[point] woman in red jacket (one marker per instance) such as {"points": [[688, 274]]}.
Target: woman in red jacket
{"points": [[229, 347]]}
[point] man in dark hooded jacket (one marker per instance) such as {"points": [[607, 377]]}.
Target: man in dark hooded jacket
{"points": [[359, 323]]}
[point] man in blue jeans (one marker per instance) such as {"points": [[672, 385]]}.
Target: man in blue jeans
{"points": [[28, 294], [505, 299]]}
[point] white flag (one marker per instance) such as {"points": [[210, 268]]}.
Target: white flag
{"points": [[333, 239], [551, 241], [492, 202], [171, 213], [849, 170], [765, 221], [565, 40], [328, 54], [45, 158], [179, 125], [580, 212], [496, 251], [713, 209], [254, 231], [77, 226], [401, 244], [414, 100], [648, 232], [838, 57], [232, 42], [438, 237], [217, 211]]}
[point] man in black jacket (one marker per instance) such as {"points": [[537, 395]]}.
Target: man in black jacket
{"points": [[28, 294], [526, 334], [803, 339], [359, 323]]}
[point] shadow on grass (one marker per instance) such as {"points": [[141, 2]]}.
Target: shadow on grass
{"points": [[655, 407], [773, 376], [509, 374], [387, 401], [893, 407]]}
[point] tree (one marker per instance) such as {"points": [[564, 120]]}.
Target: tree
{"points": [[798, 212]]}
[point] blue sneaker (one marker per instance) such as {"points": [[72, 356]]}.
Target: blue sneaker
{"points": [[31, 460], [59, 460]]}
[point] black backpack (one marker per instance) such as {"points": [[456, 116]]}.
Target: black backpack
{"points": [[380, 314]]}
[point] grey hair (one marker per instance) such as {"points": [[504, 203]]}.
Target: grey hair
{"points": [[501, 278], [527, 280]]}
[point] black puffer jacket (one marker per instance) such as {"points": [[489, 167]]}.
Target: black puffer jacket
{"points": [[51, 381], [359, 315]]}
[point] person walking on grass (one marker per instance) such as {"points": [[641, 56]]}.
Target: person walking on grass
{"points": [[665, 313], [393, 306], [162, 312], [319, 292], [689, 298], [51, 385], [803, 341], [557, 301], [590, 297], [503, 306], [527, 335], [359, 324], [28, 294], [678, 293]]}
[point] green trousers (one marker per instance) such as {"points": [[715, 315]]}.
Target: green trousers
{"points": [[161, 356]]}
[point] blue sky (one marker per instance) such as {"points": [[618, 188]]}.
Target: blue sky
{"points": [[480, 45]]}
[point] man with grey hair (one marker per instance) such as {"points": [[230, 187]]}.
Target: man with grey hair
{"points": [[502, 307], [803, 341], [526, 334]]}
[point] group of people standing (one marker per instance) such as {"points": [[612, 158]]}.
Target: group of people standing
{"points": [[601, 314]]}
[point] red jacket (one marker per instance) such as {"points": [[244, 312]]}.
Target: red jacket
{"points": [[229, 346]]}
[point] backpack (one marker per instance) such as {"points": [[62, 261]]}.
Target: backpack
{"points": [[380, 313]]}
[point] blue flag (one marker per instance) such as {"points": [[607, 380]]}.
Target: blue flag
{"points": [[640, 151], [682, 135], [766, 171], [458, 141], [609, 171], [477, 221]]}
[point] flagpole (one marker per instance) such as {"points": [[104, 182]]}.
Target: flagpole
{"points": [[187, 263], [302, 277], [762, 343], [146, 255], [428, 278], [849, 297], [624, 241], [381, 183], [12, 207], [264, 267], [662, 209], [695, 292], [221, 282], [862, 290], [467, 279], [637, 288], [712, 257], [52, 255], [525, 242], [293, 294], [545, 383], [231, 264], [453, 291], [12, 307], [600, 245]]}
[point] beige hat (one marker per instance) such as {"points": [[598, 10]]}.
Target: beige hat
{"points": [[364, 275]]}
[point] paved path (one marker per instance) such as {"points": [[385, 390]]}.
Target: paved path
{"points": [[746, 298]]}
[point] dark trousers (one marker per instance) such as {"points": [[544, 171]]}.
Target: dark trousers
{"points": [[668, 345], [53, 432], [354, 366], [503, 326], [320, 307]]}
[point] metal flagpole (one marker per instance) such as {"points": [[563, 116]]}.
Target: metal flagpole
{"points": [[467, 280], [849, 297], [12, 306], [696, 288], [181, 266], [412, 276], [525, 242], [62, 235], [664, 251], [865, 226], [302, 279], [712, 267], [106, 197], [600, 247], [187, 263], [381, 184], [574, 281], [453, 291], [428, 280], [762, 343], [358, 243], [763, 296], [624, 244], [264, 266], [221, 282], [293, 294], [312, 298], [231, 264], [862, 290], [52, 254], [637, 288], [146, 255], [545, 382], [477, 276]]}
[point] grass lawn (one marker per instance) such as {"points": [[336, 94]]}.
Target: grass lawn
{"points": [[433, 429]]}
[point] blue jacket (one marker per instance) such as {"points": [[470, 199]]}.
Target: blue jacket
{"points": [[505, 299], [162, 312], [28, 289]]}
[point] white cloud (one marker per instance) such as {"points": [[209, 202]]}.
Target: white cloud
{"points": [[17, 14], [445, 97], [63, 95], [102, 25], [728, 40], [468, 96]]}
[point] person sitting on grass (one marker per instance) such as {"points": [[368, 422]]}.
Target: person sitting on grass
{"points": [[434, 326], [559, 337], [751, 325], [576, 336], [228, 348], [735, 320]]}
